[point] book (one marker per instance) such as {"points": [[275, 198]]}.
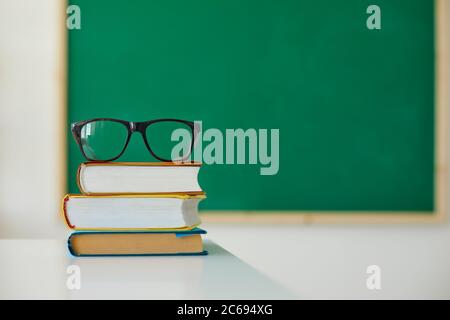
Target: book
{"points": [[138, 178], [132, 212], [136, 243]]}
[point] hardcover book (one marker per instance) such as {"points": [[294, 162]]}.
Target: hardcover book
{"points": [[137, 243], [131, 212], [138, 178]]}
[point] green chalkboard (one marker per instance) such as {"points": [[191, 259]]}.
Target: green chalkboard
{"points": [[354, 106]]}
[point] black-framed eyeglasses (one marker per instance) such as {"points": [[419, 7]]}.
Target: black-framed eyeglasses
{"points": [[105, 139]]}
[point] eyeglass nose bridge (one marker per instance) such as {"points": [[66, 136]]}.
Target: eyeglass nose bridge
{"points": [[137, 127], [133, 127]]}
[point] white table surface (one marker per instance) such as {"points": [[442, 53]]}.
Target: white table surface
{"points": [[31, 269], [330, 261]]}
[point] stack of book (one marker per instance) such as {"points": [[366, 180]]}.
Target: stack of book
{"points": [[135, 208]]}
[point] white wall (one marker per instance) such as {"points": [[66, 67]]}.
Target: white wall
{"points": [[31, 112]]}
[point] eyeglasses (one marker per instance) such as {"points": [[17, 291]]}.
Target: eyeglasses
{"points": [[105, 139]]}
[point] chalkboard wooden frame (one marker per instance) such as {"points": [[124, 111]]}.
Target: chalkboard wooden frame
{"points": [[442, 99], [442, 26]]}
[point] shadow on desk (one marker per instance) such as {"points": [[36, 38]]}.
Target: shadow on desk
{"points": [[219, 275]]}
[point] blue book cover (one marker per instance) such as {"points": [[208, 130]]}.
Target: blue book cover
{"points": [[72, 245]]}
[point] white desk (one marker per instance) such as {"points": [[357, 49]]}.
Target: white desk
{"points": [[37, 269], [330, 261]]}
